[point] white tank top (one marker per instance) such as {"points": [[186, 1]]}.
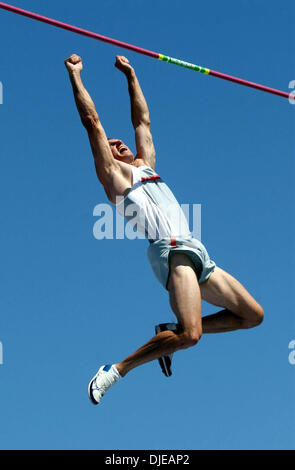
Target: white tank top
{"points": [[151, 207]]}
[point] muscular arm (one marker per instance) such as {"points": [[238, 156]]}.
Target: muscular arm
{"points": [[103, 158], [139, 114], [139, 108]]}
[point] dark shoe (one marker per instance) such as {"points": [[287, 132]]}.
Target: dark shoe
{"points": [[166, 361]]}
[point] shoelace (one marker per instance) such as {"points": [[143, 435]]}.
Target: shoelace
{"points": [[108, 379]]}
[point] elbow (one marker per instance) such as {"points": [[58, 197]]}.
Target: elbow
{"points": [[89, 121], [146, 121], [143, 120]]}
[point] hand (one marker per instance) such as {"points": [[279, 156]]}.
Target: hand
{"points": [[122, 63], [74, 63]]}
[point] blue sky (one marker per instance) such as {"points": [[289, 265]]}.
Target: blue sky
{"points": [[69, 302]]}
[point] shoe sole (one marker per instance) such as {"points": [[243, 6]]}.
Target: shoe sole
{"points": [[90, 395]]}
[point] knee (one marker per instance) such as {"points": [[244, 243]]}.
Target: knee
{"points": [[190, 338], [256, 319]]}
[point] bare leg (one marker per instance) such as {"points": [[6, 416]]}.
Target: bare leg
{"points": [[185, 299], [221, 322], [241, 309]]}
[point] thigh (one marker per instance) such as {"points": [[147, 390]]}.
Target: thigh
{"points": [[225, 291], [184, 293]]}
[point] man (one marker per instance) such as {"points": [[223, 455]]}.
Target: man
{"points": [[180, 262]]}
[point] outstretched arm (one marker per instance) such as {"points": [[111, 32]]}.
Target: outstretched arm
{"points": [[139, 114], [104, 160]]}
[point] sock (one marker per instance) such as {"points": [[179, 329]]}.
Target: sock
{"points": [[115, 372]]}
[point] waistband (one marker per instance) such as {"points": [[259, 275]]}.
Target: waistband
{"points": [[171, 240]]}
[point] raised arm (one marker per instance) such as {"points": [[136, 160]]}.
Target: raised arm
{"points": [[139, 114], [103, 158]]}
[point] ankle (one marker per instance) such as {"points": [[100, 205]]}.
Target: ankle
{"points": [[121, 369]]}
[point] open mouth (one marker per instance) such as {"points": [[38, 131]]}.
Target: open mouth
{"points": [[122, 150]]}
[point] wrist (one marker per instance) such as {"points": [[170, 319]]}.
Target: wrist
{"points": [[75, 73], [75, 77], [130, 73]]}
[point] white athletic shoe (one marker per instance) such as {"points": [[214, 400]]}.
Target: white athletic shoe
{"points": [[105, 378]]}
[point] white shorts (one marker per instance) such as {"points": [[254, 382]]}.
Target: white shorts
{"points": [[159, 253]]}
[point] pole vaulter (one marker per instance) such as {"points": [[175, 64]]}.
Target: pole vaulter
{"points": [[146, 52], [179, 261]]}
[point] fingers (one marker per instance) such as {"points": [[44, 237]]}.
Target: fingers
{"points": [[122, 59], [73, 59], [122, 63]]}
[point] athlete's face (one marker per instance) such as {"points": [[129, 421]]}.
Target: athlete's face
{"points": [[120, 151]]}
